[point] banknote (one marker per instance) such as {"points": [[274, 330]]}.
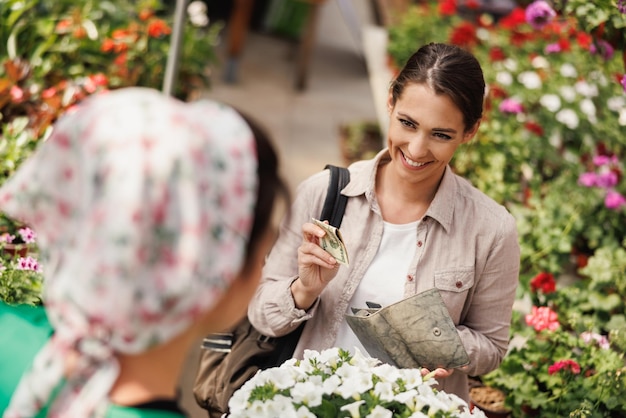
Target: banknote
{"points": [[332, 242]]}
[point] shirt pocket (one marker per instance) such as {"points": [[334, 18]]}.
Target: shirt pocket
{"points": [[458, 280]]}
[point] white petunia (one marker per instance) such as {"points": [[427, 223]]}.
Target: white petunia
{"points": [[540, 62], [622, 117], [303, 412], [510, 64], [307, 393], [568, 93], [616, 104], [589, 108], [529, 79], [380, 412], [387, 372], [585, 89], [568, 70], [384, 391], [568, 118], [504, 77], [552, 102], [413, 378], [197, 12], [353, 409]]}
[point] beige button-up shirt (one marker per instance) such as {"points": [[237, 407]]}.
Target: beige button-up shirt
{"points": [[467, 247]]}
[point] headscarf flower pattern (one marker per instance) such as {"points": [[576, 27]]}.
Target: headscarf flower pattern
{"points": [[143, 206]]}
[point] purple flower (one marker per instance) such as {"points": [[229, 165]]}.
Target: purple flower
{"points": [[606, 180], [511, 106], [587, 179], [614, 200], [553, 48], [624, 82], [27, 234], [621, 6], [539, 14], [603, 48]]}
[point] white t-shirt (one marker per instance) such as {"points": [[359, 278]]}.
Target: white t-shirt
{"points": [[384, 279]]}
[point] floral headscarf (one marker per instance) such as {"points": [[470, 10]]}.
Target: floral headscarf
{"points": [[142, 206]]}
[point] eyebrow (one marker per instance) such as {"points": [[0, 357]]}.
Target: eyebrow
{"points": [[445, 130]]}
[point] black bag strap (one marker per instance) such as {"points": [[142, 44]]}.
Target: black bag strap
{"points": [[335, 202]]}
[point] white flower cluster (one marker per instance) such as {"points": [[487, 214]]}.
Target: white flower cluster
{"points": [[333, 383]]}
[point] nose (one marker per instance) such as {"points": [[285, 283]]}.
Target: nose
{"points": [[418, 145]]}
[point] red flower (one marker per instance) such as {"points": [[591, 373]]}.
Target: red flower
{"points": [[63, 26], [464, 35], [447, 7], [567, 365], [107, 45], [472, 4], [544, 282], [496, 54], [534, 128], [158, 28], [584, 39], [516, 18]]}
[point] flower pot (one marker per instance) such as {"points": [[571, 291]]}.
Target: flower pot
{"points": [[15, 250], [490, 401]]}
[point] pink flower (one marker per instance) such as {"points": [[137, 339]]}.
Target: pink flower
{"points": [[606, 180], [614, 200], [552, 48], [7, 238], [567, 365], [539, 14], [17, 94], [28, 235], [624, 82], [587, 179], [512, 106], [601, 340], [600, 160], [542, 318], [28, 263]]}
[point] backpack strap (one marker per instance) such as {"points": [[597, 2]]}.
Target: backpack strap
{"points": [[335, 202]]}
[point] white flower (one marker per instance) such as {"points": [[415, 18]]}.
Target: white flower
{"points": [[540, 62], [529, 79], [504, 77], [568, 118], [353, 408], [616, 103], [552, 102], [380, 412], [568, 70], [307, 393], [196, 10], [568, 93], [622, 117], [589, 109], [585, 89], [510, 64], [333, 376]]}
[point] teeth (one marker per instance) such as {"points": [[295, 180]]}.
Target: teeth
{"points": [[413, 163]]}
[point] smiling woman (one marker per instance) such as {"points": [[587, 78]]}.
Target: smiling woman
{"points": [[410, 225]]}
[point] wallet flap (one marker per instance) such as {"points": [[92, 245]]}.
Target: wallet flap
{"points": [[415, 332]]}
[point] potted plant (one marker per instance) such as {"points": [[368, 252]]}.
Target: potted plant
{"points": [[333, 383]]}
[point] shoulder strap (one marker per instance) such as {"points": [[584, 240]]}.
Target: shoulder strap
{"points": [[335, 202]]}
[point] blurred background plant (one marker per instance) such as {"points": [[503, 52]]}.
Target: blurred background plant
{"points": [[55, 53], [551, 149]]}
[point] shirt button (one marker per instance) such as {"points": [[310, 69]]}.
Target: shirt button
{"points": [[409, 277], [459, 284], [419, 243]]}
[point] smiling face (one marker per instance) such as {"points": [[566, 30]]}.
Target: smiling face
{"points": [[425, 130]]}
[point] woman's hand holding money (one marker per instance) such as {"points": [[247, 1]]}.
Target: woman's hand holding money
{"points": [[316, 267]]}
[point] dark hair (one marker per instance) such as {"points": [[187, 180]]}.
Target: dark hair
{"points": [[446, 69], [271, 185]]}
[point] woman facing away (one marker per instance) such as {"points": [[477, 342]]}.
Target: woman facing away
{"points": [[410, 225], [153, 216]]}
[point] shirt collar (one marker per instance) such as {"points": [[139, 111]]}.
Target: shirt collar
{"points": [[363, 180]]}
